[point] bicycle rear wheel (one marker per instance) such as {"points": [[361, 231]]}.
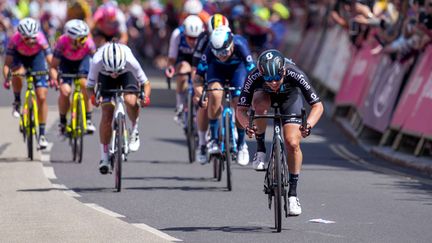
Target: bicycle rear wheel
{"points": [[228, 157], [118, 153], [190, 126], [277, 187], [30, 128]]}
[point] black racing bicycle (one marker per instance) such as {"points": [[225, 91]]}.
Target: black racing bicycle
{"points": [[276, 176]]}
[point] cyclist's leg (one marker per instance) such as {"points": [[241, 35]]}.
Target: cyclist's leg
{"points": [[84, 69], [17, 82], [41, 84], [65, 91], [105, 128], [237, 81], [260, 103], [132, 108], [292, 136], [181, 81]]}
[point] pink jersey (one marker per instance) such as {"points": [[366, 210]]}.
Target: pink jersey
{"points": [[17, 43], [65, 48]]}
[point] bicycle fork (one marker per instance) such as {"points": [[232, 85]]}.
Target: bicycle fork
{"points": [[228, 112], [78, 99], [30, 103]]}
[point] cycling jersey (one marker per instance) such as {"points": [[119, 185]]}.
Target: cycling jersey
{"points": [[240, 55], [110, 27], [201, 45], [132, 65], [179, 49], [65, 49], [294, 80], [18, 45]]}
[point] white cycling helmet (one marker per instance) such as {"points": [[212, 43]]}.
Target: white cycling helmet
{"points": [[193, 7], [221, 41], [193, 26], [28, 27], [76, 28], [114, 57]]}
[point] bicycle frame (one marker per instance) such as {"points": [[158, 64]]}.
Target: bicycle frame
{"points": [[119, 111], [30, 102], [78, 97], [228, 111]]}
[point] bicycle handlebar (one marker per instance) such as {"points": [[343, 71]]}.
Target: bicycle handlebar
{"points": [[72, 75], [189, 74], [205, 90], [29, 73]]}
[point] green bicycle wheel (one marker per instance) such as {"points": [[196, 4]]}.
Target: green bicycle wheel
{"points": [[29, 131]]}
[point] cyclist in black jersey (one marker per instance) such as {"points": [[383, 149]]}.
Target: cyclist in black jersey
{"points": [[214, 22], [278, 80]]}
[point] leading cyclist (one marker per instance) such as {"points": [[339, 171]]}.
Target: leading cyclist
{"points": [[72, 54], [227, 58], [278, 79], [114, 66], [29, 49]]}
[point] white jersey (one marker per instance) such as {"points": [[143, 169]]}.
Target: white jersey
{"points": [[132, 65]]}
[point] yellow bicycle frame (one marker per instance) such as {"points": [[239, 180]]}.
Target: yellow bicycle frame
{"points": [[30, 96], [78, 96]]}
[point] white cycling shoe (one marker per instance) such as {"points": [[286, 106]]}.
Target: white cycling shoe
{"points": [[134, 143], [243, 155], [43, 143], [91, 128], [258, 162], [294, 208], [201, 154]]}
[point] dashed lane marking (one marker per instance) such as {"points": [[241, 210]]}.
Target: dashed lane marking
{"points": [[104, 210], [157, 232], [49, 172], [66, 190]]}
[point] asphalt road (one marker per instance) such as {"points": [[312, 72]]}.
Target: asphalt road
{"points": [[369, 200]]}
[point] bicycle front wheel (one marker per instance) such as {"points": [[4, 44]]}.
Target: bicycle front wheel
{"points": [[277, 187], [30, 128], [80, 130], [119, 151], [190, 133], [228, 157]]}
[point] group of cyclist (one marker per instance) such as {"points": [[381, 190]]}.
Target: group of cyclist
{"points": [[206, 48], [215, 55]]}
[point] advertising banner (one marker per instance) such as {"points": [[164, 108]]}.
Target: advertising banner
{"points": [[340, 61], [301, 53], [410, 97], [359, 76], [378, 106], [420, 118], [323, 66], [314, 50]]}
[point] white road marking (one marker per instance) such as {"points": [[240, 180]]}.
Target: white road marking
{"points": [[49, 172], [156, 232], [104, 210], [66, 190], [45, 157], [49, 147]]}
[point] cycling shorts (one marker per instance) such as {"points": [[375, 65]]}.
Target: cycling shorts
{"points": [[35, 63], [98, 33], [236, 74], [290, 103], [125, 81], [79, 67], [184, 57]]}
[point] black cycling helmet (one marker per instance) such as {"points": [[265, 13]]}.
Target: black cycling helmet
{"points": [[271, 65]]}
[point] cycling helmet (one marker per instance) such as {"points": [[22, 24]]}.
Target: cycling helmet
{"points": [[271, 65], [76, 28], [109, 11], [215, 21], [28, 27], [114, 57], [193, 7], [221, 41], [193, 26]]}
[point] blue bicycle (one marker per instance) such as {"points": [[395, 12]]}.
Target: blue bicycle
{"points": [[227, 139]]}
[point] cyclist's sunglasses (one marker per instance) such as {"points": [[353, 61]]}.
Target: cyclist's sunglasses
{"points": [[81, 40], [30, 38], [223, 52], [276, 77]]}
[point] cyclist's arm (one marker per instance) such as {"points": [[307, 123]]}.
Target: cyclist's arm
{"points": [[246, 53], [173, 47], [53, 68], [311, 96], [246, 96], [95, 68], [6, 66]]}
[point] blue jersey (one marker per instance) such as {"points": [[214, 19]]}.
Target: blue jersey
{"points": [[240, 55], [179, 48]]}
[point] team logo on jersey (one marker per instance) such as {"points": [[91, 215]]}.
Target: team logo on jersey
{"points": [[269, 55]]}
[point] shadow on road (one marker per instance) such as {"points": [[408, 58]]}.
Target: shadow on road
{"points": [[180, 188], [169, 178], [229, 229]]}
